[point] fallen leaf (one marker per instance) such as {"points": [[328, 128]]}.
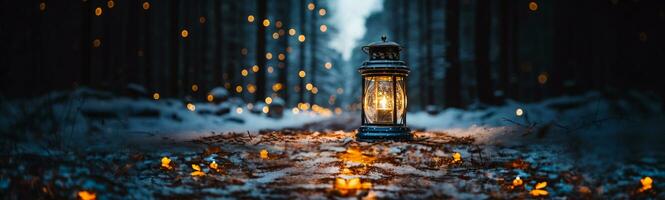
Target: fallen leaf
{"points": [[86, 195], [198, 173], [541, 185], [538, 192], [166, 163], [517, 181], [647, 183], [264, 154], [196, 167], [213, 165], [457, 157]]}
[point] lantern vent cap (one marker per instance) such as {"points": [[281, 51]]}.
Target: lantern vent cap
{"points": [[382, 50]]}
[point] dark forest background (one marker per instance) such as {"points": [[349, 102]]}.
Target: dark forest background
{"points": [[463, 53]]}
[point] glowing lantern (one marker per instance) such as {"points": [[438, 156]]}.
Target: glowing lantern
{"points": [[384, 93]]}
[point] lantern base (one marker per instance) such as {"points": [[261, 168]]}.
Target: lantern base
{"points": [[382, 133]]}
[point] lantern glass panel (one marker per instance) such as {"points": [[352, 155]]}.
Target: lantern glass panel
{"points": [[379, 102], [400, 100]]}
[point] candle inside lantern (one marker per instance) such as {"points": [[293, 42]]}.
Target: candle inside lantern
{"points": [[384, 109]]}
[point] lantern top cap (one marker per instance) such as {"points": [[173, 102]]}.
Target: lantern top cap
{"points": [[382, 50]]}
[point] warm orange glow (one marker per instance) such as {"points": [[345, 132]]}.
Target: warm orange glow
{"points": [[351, 184], [539, 190], [251, 88], [517, 181], [276, 87], [266, 22], [210, 98], [269, 56], [323, 28], [533, 6], [354, 154], [647, 183], [195, 87], [146, 5], [250, 18], [239, 110], [315, 90], [338, 111], [328, 65], [265, 109], [213, 165], [281, 56], [255, 68], [309, 86], [292, 31], [155, 96], [42, 6], [184, 33], [295, 110], [98, 11], [166, 163], [457, 157], [87, 195], [268, 100], [302, 74], [191, 107], [197, 170], [263, 154], [97, 43], [301, 38], [110, 3], [244, 72], [322, 12], [542, 78], [311, 6], [239, 89]]}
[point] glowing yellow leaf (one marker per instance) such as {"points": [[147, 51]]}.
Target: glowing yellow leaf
{"points": [[196, 167], [517, 181], [367, 185], [354, 183], [166, 163], [541, 185], [85, 195], [264, 154], [213, 165], [198, 173], [538, 192], [646, 183], [340, 183], [457, 157]]}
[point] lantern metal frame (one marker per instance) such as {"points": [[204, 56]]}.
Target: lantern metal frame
{"points": [[384, 62]]}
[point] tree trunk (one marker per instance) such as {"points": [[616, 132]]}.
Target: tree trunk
{"points": [[314, 64], [301, 56], [483, 79], [219, 48], [504, 48], [85, 43], [453, 83], [176, 83], [261, 51]]}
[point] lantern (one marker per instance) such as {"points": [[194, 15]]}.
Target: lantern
{"points": [[384, 97]]}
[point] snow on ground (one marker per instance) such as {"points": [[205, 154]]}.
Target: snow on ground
{"points": [[590, 146]]}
